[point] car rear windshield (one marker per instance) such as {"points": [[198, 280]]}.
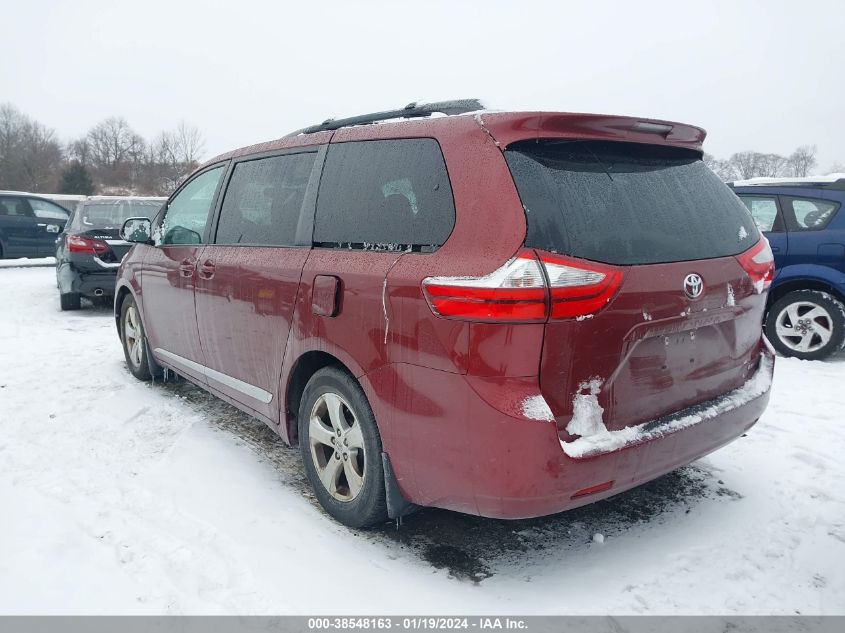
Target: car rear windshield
{"points": [[110, 214], [626, 203]]}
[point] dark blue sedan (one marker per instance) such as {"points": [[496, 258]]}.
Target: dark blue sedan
{"points": [[29, 225]]}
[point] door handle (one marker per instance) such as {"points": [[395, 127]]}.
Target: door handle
{"points": [[207, 269], [775, 249], [187, 267]]}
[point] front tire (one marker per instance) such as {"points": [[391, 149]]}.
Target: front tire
{"points": [[806, 324], [133, 339], [341, 449]]}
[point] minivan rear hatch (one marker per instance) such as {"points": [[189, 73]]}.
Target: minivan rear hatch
{"points": [[658, 215]]}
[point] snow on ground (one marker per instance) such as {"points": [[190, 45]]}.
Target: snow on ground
{"points": [[121, 497], [27, 262]]}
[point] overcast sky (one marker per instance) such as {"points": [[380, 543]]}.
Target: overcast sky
{"points": [[757, 75]]}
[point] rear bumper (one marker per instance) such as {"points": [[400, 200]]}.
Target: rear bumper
{"points": [[474, 455], [86, 281]]}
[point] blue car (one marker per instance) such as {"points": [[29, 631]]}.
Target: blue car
{"points": [[29, 225], [805, 225]]}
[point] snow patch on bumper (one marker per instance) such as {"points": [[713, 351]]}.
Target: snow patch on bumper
{"points": [[610, 441]]}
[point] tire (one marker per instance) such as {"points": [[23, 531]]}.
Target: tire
{"points": [[342, 449], [806, 324], [133, 340], [70, 301]]}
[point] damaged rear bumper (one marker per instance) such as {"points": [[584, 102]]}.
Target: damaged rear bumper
{"points": [[609, 441], [476, 449]]}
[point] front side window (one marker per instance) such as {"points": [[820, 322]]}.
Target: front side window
{"points": [[388, 195], [263, 200], [47, 210], [804, 214], [764, 210], [187, 214]]}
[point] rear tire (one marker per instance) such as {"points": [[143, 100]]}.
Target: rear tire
{"points": [[341, 449], [806, 324], [70, 301], [134, 340]]}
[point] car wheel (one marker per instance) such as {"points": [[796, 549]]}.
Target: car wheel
{"points": [[806, 324], [133, 339], [341, 449], [70, 301]]}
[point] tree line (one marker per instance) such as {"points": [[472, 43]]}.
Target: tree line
{"points": [[743, 165], [111, 158]]}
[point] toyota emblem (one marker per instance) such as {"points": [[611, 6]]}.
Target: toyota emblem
{"points": [[693, 285]]}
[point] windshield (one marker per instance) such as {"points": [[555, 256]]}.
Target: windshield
{"points": [[626, 203], [110, 214]]}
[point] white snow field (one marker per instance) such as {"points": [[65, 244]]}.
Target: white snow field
{"points": [[118, 497]]}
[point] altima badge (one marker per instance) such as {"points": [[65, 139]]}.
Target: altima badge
{"points": [[693, 285]]}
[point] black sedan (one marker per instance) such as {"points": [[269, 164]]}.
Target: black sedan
{"points": [[89, 250]]}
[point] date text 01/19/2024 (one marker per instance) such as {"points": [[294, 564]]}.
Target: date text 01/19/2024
{"points": [[416, 623]]}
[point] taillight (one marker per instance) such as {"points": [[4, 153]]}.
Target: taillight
{"points": [[519, 291], [579, 288], [514, 292], [79, 244], [759, 263]]}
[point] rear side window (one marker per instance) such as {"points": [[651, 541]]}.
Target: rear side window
{"points": [[805, 214], [110, 214], [47, 210], [264, 199], [764, 210], [626, 203], [391, 195]]}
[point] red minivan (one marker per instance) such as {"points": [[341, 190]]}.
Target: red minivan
{"points": [[504, 314]]}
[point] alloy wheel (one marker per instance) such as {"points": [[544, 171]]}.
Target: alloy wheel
{"points": [[132, 337], [804, 326], [337, 446]]}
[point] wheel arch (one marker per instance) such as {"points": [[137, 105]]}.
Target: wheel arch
{"points": [[121, 292], [793, 284], [308, 364]]}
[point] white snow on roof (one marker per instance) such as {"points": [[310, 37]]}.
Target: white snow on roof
{"points": [[764, 180], [68, 196], [156, 198]]}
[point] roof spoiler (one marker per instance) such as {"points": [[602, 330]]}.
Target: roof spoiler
{"points": [[412, 110]]}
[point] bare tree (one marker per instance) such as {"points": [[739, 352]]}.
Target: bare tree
{"points": [[111, 142], [188, 142], [802, 161], [30, 155], [174, 155], [79, 150], [117, 158], [722, 168], [772, 165], [755, 164]]}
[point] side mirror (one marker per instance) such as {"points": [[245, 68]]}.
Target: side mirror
{"points": [[137, 230]]}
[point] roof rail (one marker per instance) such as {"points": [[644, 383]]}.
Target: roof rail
{"points": [[412, 110], [835, 182]]}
